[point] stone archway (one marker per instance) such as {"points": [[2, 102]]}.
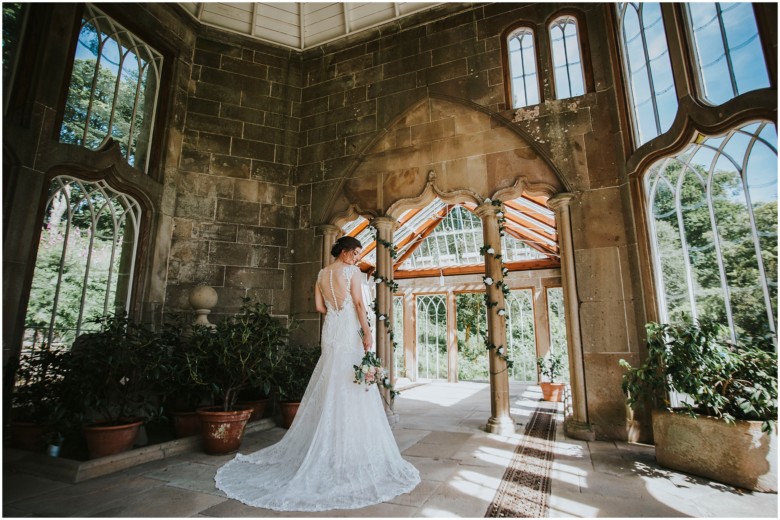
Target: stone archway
{"points": [[444, 148]]}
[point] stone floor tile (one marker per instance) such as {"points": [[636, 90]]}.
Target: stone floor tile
{"points": [[18, 486], [191, 476], [418, 495], [566, 504], [433, 469], [163, 501], [408, 437]]}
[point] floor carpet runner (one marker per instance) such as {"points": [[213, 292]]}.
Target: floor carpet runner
{"points": [[525, 486]]}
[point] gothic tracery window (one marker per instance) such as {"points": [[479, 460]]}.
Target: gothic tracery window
{"points": [[648, 70], [567, 58], [524, 81], [727, 50]]}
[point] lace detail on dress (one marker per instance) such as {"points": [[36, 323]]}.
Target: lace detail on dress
{"points": [[340, 452]]}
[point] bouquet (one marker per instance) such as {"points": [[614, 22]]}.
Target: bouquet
{"points": [[370, 371]]}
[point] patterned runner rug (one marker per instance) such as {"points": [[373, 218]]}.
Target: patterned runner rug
{"points": [[525, 487]]}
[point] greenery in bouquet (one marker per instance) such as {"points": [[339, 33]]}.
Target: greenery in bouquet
{"points": [[370, 371]]}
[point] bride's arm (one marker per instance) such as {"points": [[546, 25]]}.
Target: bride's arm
{"points": [[319, 301], [356, 290]]}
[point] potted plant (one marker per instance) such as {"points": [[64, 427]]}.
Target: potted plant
{"points": [[236, 354], [725, 425], [115, 375], [551, 368], [37, 407], [294, 368]]}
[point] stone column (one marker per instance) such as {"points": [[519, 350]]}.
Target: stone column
{"points": [[384, 303], [330, 234], [577, 425], [452, 338], [500, 420]]}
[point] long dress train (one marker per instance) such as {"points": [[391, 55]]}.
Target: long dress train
{"points": [[340, 452]]}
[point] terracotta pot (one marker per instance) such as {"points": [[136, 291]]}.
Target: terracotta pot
{"points": [[26, 435], [288, 413], [223, 431], [258, 408], [185, 424], [552, 392], [104, 439], [738, 454]]}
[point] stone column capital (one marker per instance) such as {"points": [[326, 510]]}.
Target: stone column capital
{"points": [[330, 229], [487, 210], [384, 223], [560, 201]]}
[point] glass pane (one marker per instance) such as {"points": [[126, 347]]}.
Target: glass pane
{"points": [[471, 325], [125, 73], [399, 364], [714, 230], [522, 68], [84, 262], [728, 50], [431, 337], [557, 317], [567, 65], [521, 339]]}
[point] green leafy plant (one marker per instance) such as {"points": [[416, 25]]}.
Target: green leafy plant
{"points": [[551, 366], [37, 393], [717, 377], [181, 392], [295, 366], [240, 352], [116, 373]]}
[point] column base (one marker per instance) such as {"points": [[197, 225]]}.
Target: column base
{"points": [[578, 430], [392, 417], [500, 426]]}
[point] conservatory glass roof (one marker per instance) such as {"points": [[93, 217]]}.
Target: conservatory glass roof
{"points": [[443, 238]]}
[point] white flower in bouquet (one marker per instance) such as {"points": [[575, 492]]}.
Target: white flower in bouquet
{"points": [[488, 280], [364, 369]]}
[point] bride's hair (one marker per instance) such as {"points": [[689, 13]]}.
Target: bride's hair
{"points": [[345, 244]]}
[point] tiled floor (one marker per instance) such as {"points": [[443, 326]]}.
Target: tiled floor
{"points": [[461, 468]]}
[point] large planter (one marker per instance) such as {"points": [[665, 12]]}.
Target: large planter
{"points": [[223, 431], [27, 435], [288, 413], [737, 454], [103, 439], [185, 424], [552, 391]]}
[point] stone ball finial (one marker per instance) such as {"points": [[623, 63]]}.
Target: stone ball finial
{"points": [[202, 299]]}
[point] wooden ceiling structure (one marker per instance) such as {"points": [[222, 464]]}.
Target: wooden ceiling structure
{"points": [[526, 218]]}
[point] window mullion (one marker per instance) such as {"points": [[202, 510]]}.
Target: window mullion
{"points": [[726, 49]]}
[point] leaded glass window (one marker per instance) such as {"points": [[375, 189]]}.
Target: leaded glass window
{"points": [[522, 68], [113, 89], [567, 58], [399, 366], [86, 259], [645, 53], [520, 335], [727, 50], [556, 316], [431, 336], [471, 321], [712, 212]]}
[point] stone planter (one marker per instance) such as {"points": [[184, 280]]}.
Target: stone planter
{"points": [[552, 392], [737, 454]]}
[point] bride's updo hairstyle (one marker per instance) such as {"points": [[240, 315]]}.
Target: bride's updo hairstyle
{"points": [[345, 244]]}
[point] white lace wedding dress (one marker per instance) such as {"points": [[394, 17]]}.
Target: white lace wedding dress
{"points": [[339, 452]]}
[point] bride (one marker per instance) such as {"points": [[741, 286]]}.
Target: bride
{"points": [[339, 452]]}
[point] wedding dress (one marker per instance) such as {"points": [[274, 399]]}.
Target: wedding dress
{"points": [[340, 452]]}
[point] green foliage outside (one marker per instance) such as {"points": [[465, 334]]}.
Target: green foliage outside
{"points": [[556, 315], [736, 244], [521, 338], [471, 328], [12, 28]]}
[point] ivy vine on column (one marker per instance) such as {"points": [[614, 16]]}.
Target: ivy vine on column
{"points": [[393, 286], [487, 249]]}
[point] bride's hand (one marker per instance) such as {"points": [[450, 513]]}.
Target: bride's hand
{"points": [[366, 342]]}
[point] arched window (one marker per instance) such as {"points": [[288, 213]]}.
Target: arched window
{"points": [[645, 53], [86, 258], [727, 49], [567, 58], [524, 81], [113, 89], [712, 212], [432, 336]]}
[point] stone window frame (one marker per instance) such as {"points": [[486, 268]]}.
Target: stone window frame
{"points": [[507, 35], [584, 49], [639, 7]]}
